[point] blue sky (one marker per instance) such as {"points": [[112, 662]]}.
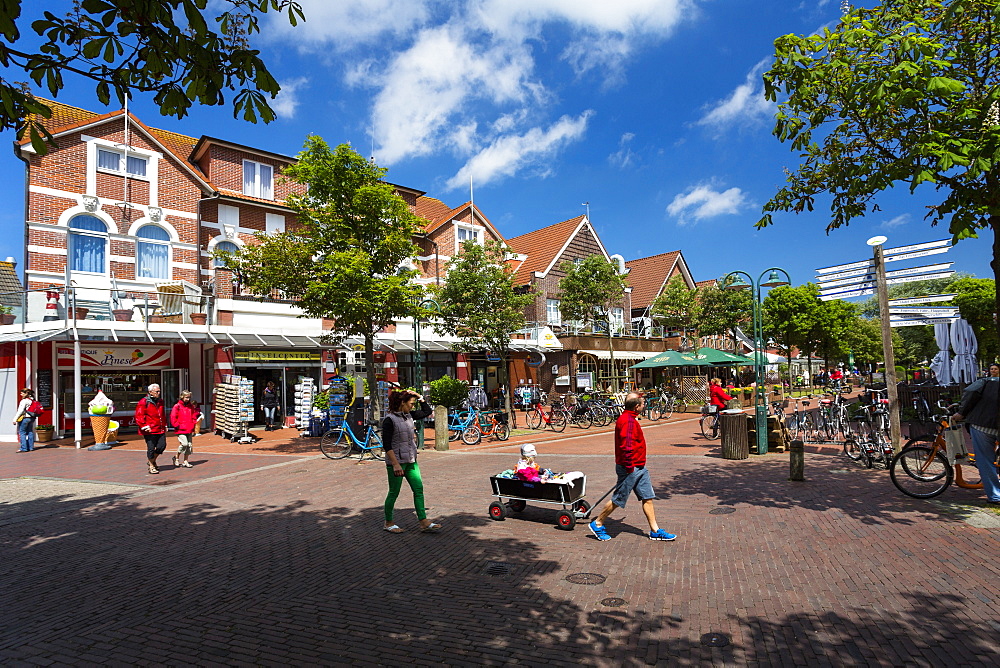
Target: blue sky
{"points": [[650, 110]]}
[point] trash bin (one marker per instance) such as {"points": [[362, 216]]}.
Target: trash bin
{"points": [[317, 426], [356, 419], [733, 428]]}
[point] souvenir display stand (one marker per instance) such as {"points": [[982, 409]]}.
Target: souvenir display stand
{"points": [[305, 393], [234, 409], [341, 394]]}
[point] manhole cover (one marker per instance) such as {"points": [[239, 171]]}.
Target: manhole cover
{"points": [[722, 510], [586, 578], [715, 640], [613, 602], [497, 569]]}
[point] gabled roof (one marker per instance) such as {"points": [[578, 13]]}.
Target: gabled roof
{"points": [[437, 214], [648, 276], [10, 285], [706, 284], [66, 119], [545, 246]]}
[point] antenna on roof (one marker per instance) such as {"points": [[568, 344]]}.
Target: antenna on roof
{"points": [[472, 202]]}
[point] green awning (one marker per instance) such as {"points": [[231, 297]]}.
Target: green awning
{"points": [[721, 357], [666, 358], [701, 357]]}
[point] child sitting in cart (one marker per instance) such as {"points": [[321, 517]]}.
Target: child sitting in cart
{"points": [[527, 468]]}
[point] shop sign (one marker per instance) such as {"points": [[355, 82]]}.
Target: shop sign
{"points": [[265, 356], [117, 357]]}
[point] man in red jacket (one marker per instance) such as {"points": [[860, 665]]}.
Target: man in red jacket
{"points": [[630, 465], [151, 417]]}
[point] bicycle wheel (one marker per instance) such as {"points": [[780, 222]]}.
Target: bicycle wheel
{"points": [[557, 420], [503, 432], [709, 427], [921, 471], [852, 449], [336, 444], [534, 420], [682, 406], [668, 410], [601, 417], [806, 427], [377, 450], [582, 420], [655, 412], [472, 436]]}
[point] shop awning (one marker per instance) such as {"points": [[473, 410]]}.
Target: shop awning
{"points": [[619, 354], [36, 335]]}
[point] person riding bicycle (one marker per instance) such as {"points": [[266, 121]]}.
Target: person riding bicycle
{"points": [[836, 378], [979, 409], [717, 396]]}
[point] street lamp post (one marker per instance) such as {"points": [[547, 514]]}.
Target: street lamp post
{"points": [[759, 358], [418, 360]]}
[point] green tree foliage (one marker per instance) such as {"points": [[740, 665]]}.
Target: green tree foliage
{"points": [[590, 289], [447, 391], [479, 304], [723, 310], [678, 307], [790, 316], [864, 341], [164, 47], [976, 301], [900, 93], [342, 258]]}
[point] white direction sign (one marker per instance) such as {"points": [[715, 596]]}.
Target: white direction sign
{"points": [[920, 321], [929, 310], [847, 295], [922, 300], [901, 253], [915, 247], [825, 284], [889, 281]]}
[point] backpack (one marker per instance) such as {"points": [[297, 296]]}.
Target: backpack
{"points": [[35, 409]]}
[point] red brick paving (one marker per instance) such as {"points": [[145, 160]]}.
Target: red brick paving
{"points": [[287, 565]]}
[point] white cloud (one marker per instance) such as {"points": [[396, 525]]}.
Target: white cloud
{"points": [[287, 101], [746, 105], [439, 79], [460, 77], [701, 202], [901, 219], [509, 153], [347, 23], [624, 156]]}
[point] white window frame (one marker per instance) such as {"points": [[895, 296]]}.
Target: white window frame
{"points": [[274, 223], [123, 162], [617, 318], [476, 232], [157, 242], [106, 236], [257, 187], [552, 314]]}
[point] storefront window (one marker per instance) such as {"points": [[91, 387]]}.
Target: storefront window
{"points": [[124, 388]]}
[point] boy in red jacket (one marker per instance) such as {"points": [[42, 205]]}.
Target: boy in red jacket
{"points": [[630, 465]]}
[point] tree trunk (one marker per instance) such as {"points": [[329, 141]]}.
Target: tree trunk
{"points": [[995, 264]]}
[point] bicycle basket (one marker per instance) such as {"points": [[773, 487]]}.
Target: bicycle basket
{"points": [[502, 418]]}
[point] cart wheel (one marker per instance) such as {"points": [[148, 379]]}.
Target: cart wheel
{"points": [[566, 521], [497, 511], [581, 507], [517, 505]]}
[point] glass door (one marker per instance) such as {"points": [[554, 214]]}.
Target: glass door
{"points": [[172, 381]]}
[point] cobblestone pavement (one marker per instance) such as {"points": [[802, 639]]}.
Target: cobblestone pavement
{"points": [[257, 559]]}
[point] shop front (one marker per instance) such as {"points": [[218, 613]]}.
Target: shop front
{"points": [[122, 372], [284, 368]]}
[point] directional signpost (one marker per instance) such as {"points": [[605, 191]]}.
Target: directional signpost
{"points": [[868, 277]]}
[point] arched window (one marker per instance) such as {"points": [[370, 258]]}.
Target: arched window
{"points": [[88, 244], [152, 254], [228, 247]]}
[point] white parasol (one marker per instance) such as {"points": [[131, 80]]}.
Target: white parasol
{"points": [[963, 342], [941, 364]]}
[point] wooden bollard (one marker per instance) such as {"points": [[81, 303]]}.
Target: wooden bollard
{"points": [[440, 427], [797, 462]]}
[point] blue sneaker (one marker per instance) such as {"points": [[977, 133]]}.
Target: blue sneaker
{"points": [[600, 532], [660, 534]]}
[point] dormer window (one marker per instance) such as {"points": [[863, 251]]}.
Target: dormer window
{"points": [[465, 233], [257, 179], [117, 162]]}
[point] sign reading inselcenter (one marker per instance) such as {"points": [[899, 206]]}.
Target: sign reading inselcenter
{"points": [[265, 356]]}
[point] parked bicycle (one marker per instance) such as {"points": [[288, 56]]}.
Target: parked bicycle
{"points": [[493, 423], [870, 441], [339, 441], [709, 422], [576, 411], [553, 418], [924, 468]]}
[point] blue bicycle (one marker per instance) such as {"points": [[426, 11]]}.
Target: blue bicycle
{"points": [[459, 422], [339, 442]]}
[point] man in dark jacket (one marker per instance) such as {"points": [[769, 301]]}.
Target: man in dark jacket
{"points": [[979, 407]]}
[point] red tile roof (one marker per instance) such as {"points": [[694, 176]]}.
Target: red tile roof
{"points": [[236, 194], [541, 247], [649, 275], [436, 212]]}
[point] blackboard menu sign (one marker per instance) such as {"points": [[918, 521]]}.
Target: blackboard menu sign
{"points": [[43, 391]]}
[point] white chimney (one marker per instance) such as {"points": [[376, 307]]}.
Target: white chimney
{"points": [[11, 260]]}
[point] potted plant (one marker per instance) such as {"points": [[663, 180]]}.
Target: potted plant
{"points": [[6, 315], [80, 313], [44, 432], [199, 318], [122, 314]]}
